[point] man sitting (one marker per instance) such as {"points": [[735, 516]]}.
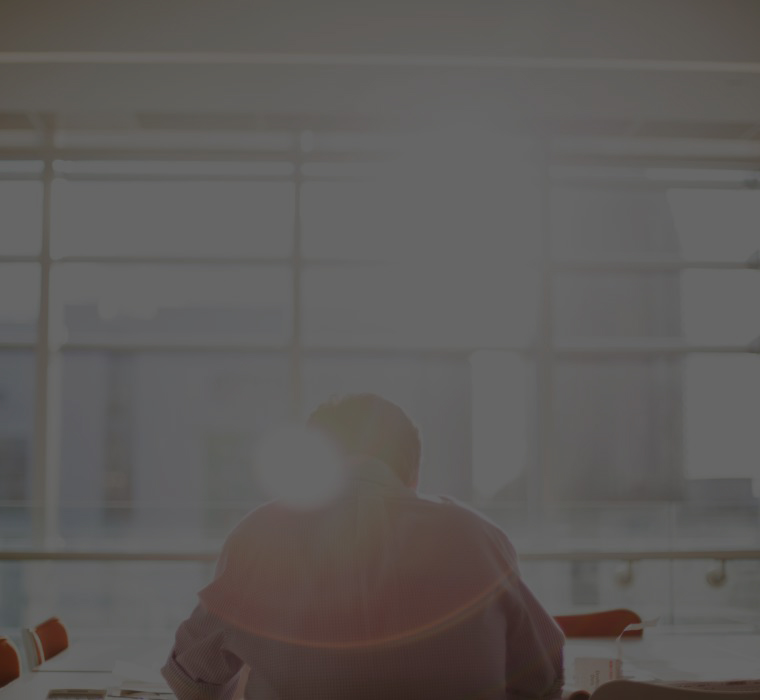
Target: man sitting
{"points": [[377, 593]]}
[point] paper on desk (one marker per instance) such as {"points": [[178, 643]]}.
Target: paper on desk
{"points": [[136, 678], [128, 671], [593, 671], [635, 627], [139, 694]]}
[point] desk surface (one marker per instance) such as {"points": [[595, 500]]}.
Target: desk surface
{"points": [[89, 662], [674, 654], [35, 686], [667, 654], [99, 654]]}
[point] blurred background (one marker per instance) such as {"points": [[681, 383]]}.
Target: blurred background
{"points": [[534, 225]]}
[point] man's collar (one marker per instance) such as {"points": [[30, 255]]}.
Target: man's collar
{"points": [[373, 470]]}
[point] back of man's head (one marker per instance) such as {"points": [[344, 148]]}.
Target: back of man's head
{"points": [[367, 425]]}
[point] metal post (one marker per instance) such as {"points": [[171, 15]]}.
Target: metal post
{"points": [[296, 397], [45, 495], [541, 494]]}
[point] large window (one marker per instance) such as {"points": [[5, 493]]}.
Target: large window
{"points": [[574, 346], [20, 240]]}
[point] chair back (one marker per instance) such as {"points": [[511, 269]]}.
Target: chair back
{"points": [[10, 662], [633, 690], [45, 641], [32, 649], [606, 623]]}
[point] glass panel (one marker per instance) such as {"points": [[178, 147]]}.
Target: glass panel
{"points": [[19, 302], [734, 601], [432, 221], [634, 305], [204, 304], [715, 307], [716, 224], [617, 430], [691, 224], [721, 306], [722, 415], [462, 305], [348, 220], [717, 513], [502, 398], [586, 586], [582, 586], [191, 219], [606, 526], [434, 393], [105, 598], [20, 217], [16, 444], [598, 223], [158, 447]]}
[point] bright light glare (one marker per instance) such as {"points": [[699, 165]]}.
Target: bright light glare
{"points": [[299, 467]]}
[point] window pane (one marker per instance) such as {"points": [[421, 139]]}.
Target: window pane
{"points": [[634, 305], [172, 218], [19, 302], [102, 303], [502, 397], [460, 305], [736, 602], [616, 429], [605, 526], [158, 446], [347, 220], [721, 306], [20, 217], [589, 223], [16, 443], [434, 393], [430, 221], [139, 601], [722, 415], [702, 306], [583, 586], [716, 224]]}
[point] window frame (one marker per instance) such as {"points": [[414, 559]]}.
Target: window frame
{"points": [[302, 160]]}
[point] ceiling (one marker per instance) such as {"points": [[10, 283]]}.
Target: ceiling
{"points": [[689, 30], [609, 68]]}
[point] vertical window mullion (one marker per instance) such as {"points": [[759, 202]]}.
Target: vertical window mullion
{"points": [[540, 494], [45, 481], [296, 354]]}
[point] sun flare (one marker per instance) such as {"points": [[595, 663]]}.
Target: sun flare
{"points": [[300, 467]]}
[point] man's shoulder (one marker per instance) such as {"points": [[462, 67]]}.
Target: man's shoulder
{"points": [[455, 508], [463, 515], [260, 519]]}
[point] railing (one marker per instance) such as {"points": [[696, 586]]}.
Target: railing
{"points": [[210, 556], [143, 589]]}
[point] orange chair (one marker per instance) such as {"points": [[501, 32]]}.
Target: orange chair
{"points": [[45, 641], [10, 663], [607, 623]]}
